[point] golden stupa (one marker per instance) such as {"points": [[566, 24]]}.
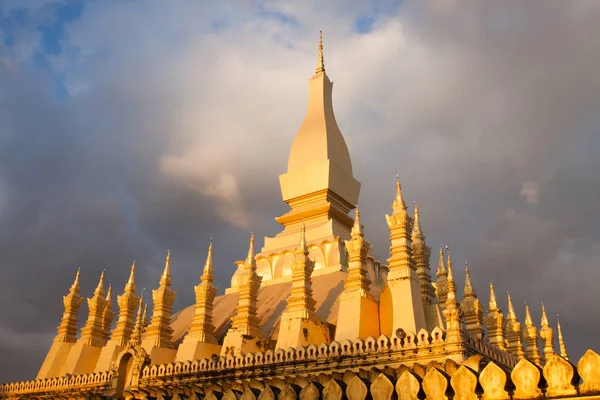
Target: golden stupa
{"points": [[313, 314]]}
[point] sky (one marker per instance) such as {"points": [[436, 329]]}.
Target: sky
{"points": [[130, 128]]}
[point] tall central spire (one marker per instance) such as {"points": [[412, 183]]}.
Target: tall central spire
{"points": [[321, 62], [319, 188], [319, 167]]}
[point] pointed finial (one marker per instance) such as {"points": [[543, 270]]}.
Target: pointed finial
{"points": [[250, 257], [165, 278], [75, 286], [130, 286], [528, 320], [357, 227], [140, 306], [302, 245], [417, 232], [441, 271], [511, 310], [561, 341], [450, 274], [493, 305], [398, 203], [145, 313], [544, 317], [208, 265], [321, 61], [469, 291], [100, 288], [109, 292], [451, 286]]}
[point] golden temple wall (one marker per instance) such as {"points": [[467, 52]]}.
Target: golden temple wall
{"points": [[225, 378]]}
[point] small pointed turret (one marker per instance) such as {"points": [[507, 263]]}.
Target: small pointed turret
{"points": [[145, 321], [417, 232], [451, 298], [67, 330], [472, 308], [511, 316], [356, 297], [100, 288], [93, 331], [207, 274], [468, 292], [299, 316], [402, 280], [245, 322], [321, 61], [452, 312], [302, 245], [513, 331], [202, 329], [159, 333], [494, 321], [250, 258], [545, 322], [422, 256], [109, 293], [493, 305], [528, 319], [130, 286], [531, 338], [108, 314], [547, 335], [136, 335], [441, 285], [398, 204], [165, 279], [561, 341], [357, 229], [300, 303], [441, 271], [75, 286], [126, 320]]}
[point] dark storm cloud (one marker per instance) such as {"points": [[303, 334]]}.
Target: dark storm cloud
{"points": [[173, 133]]}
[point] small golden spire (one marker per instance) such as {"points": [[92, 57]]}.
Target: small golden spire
{"points": [[145, 315], [108, 293], [136, 335], [493, 305], [450, 275], [100, 288], [561, 341], [528, 320], [398, 203], [469, 291], [165, 279], [321, 61], [451, 285], [208, 265], [441, 271], [130, 286], [357, 229], [250, 257], [302, 245], [511, 310], [417, 233], [75, 286], [544, 317]]}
